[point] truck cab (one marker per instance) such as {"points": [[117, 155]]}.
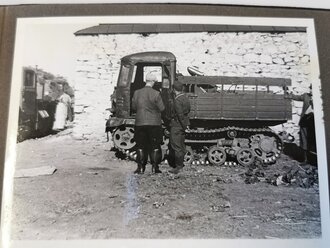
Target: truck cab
{"points": [[133, 71]]}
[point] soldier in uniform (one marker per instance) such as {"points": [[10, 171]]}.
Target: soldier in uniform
{"points": [[178, 125], [148, 134], [306, 123]]}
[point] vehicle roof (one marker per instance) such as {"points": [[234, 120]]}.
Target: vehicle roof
{"points": [[151, 57]]}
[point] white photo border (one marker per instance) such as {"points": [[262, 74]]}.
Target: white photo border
{"points": [[10, 155]]}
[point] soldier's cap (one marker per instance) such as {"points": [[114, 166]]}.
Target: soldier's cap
{"points": [[177, 85], [151, 77]]}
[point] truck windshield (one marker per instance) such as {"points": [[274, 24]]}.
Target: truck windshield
{"points": [[155, 70]]}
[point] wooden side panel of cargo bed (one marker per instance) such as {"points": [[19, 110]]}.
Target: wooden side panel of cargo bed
{"points": [[240, 106], [206, 106]]}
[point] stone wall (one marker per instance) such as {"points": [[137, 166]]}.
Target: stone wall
{"points": [[282, 55]]}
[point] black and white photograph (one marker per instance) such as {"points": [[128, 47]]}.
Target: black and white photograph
{"points": [[159, 129]]}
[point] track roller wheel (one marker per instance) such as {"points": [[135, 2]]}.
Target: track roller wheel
{"points": [[216, 155], [232, 133], [245, 156]]}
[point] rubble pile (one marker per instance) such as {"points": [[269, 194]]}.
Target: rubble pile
{"points": [[304, 176], [254, 175], [296, 174]]}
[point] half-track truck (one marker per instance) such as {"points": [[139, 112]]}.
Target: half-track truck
{"points": [[230, 117]]}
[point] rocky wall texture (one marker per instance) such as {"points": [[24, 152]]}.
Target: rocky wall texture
{"points": [[282, 55]]}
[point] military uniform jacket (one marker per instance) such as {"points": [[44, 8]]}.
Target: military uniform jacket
{"points": [[148, 105], [182, 108]]}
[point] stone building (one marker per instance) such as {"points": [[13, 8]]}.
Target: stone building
{"points": [[217, 50]]}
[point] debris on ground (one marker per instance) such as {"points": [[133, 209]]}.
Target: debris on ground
{"points": [[33, 172], [184, 216], [158, 204], [301, 175], [221, 208], [304, 176]]}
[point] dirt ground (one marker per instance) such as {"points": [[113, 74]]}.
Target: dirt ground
{"points": [[94, 195]]}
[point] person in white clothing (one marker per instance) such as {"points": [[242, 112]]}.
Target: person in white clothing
{"points": [[61, 113]]}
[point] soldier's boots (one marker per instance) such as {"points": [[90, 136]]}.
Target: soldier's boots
{"points": [[138, 170], [155, 169], [156, 158], [171, 160], [178, 161], [176, 170], [305, 159], [141, 159]]}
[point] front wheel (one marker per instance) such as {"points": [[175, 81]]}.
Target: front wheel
{"points": [[123, 137]]}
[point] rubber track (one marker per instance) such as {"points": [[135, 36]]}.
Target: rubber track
{"points": [[212, 135]]}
